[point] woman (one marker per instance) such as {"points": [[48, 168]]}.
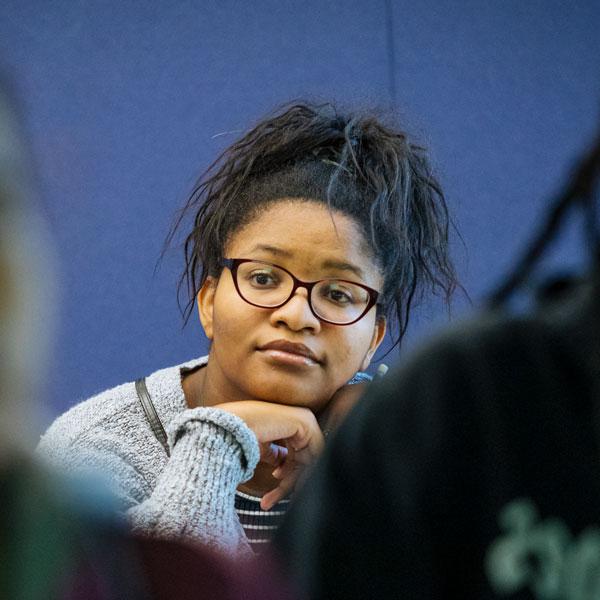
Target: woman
{"points": [[311, 233]]}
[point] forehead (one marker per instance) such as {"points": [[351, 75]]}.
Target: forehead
{"points": [[304, 235]]}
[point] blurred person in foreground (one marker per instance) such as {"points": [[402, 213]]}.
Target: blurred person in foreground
{"points": [[59, 538], [473, 470]]}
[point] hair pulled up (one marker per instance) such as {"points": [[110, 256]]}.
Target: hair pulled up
{"points": [[354, 164]]}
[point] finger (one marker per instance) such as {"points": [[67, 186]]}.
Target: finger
{"points": [[283, 470], [305, 457], [285, 465], [273, 454], [285, 488], [295, 460], [311, 442], [270, 499], [286, 469]]}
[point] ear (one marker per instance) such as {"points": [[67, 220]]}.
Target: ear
{"points": [[206, 301], [378, 335]]}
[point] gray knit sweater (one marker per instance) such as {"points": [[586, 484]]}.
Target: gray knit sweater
{"points": [[189, 494]]}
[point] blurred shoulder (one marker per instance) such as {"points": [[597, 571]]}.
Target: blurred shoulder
{"points": [[499, 352]]}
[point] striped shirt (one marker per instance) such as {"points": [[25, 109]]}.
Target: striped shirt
{"points": [[259, 525]]}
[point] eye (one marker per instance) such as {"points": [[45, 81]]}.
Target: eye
{"points": [[263, 279], [337, 293]]}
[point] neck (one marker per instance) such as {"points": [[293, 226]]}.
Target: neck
{"points": [[205, 387]]}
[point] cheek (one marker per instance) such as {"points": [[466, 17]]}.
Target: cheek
{"points": [[234, 321], [228, 323], [349, 345]]}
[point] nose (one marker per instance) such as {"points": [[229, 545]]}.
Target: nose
{"points": [[296, 314]]}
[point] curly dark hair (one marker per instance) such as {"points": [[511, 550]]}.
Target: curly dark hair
{"points": [[353, 163]]}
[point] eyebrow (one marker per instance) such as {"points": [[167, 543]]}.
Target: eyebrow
{"points": [[327, 264], [272, 250], [343, 266]]}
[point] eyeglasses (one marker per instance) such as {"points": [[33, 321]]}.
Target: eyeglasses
{"points": [[335, 301]]}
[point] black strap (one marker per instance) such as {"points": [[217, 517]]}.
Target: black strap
{"points": [[151, 415]]}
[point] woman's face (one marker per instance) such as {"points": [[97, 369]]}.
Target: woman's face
{"points": [[312, 243]]}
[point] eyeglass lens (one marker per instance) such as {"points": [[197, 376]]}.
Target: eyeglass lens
{"points": [[334, 300]]}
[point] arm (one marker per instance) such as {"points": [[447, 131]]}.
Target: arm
{"points": [[190, 494], [212, 452]]}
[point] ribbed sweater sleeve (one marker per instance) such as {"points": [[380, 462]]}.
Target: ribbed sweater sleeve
{"points": [[212, 452]]}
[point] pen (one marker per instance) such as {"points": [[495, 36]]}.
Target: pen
{"points": [[381, 371]]}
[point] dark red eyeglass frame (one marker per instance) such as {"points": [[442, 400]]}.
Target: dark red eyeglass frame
{"points": [[233, 263]]}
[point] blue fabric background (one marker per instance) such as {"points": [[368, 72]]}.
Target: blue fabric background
{"points": [[125, 103]]}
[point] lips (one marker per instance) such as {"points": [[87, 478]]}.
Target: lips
{"points": [[291, 348]]}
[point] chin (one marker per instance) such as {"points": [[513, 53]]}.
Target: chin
{"points": [[290, 391]]}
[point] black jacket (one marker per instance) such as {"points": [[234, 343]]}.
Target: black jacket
{"points": [[473, 471]]}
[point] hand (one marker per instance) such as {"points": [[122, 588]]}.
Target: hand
{"points": [[289, 437], [340, 404]]}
